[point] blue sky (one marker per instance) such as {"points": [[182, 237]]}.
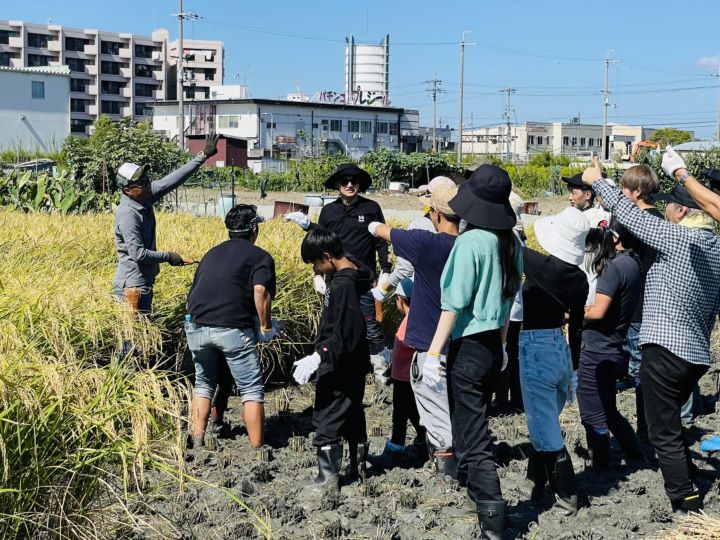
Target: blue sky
{"points": [[551, 51]]}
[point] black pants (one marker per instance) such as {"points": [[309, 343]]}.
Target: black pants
{"points": [[667, 381], [375, 334], [596, 393], [338, 408], [404, 409], [509, 380], [473, 366]]}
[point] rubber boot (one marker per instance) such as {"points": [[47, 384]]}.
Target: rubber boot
{"points": [[562, 479], [329, 460], [599, 446], [416, 455], [357, 469], [393, 455], [629, 442], [537, 474], [691, 503], [642, 429], [491, 517]]}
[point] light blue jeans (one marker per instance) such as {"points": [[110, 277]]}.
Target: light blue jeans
{"points": [[545, 373], [211, 345]]}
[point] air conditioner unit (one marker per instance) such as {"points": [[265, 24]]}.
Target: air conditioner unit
{"points": [[157, 55]]}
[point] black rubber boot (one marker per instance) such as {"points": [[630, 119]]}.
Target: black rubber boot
{"points": [[599, 446], [629, 442], [329, 460], [642, 429], [357, 469], [393, 455], [491, 517], [536, 473], [691, 503], [562, 479]]}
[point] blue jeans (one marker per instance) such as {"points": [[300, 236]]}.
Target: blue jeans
{"points": [[545, 373], [211, 345], [632, 348]]}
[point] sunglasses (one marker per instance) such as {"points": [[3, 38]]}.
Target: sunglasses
{"points": [[348, 181], [142, 183]]}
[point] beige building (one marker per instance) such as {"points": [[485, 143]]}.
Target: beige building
{"points": [[203, 66]]}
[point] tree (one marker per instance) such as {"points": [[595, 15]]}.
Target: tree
{"points": [[668, 135]]}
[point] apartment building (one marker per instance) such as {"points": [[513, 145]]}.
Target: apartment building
{"points": [[203, 63]]}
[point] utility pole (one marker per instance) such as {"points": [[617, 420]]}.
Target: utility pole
{"points": [[507, 115], [433, 91], [462, 92], [606, 104], [717, 135], [181, 16]]}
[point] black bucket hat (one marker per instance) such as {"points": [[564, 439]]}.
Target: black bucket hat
{"points": [[483, 201], [348, 171], [679, 195]]}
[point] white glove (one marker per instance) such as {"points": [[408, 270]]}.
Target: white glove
{"points": [[300, 218], [506, 359], [319, 284], [373, 226], [305, 367], [572, 387], [267, 336], [431, 372], [382, 290], [671, 162]]}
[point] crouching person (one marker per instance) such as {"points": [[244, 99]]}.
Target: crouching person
{"points": [[229, 309], [341, 359]]}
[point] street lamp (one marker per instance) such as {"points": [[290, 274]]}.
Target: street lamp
{"points": [[272, 127]]}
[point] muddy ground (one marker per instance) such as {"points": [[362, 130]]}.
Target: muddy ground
{"points": [[413, 503]]}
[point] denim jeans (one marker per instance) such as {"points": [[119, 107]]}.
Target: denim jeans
{"points": [[375, 334], [212, 345], [545, 372], [632, 348]]}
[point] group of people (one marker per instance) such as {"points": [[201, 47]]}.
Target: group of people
{"points": [[483, 314]]}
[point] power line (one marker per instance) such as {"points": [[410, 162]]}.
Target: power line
{"points": [[433, 91]]}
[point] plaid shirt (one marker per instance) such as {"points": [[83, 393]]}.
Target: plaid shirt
{"points": [[682, 291]]}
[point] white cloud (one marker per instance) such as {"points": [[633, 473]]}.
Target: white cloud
{"points": [[709, 62]]}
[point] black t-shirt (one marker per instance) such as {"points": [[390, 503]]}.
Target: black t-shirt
{"points": [[222, 293], [620, 281], [647, 256], [350, 223]]}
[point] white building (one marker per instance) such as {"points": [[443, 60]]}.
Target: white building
{"points": [[203, 64], [567, 138], [35, 108], [296, 128], [367, 73]]}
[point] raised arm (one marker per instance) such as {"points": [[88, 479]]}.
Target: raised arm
{"points": [[175, 179]]}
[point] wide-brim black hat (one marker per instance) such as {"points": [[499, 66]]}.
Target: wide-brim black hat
{"points": [[348, 171], [679, 195], [483, 201]]}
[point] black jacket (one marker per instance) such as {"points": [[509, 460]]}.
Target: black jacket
{"points": [[341, 341], [350, 224]]}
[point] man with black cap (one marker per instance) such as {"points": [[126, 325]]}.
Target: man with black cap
{"points": [[138, 257], [349, 217], [582, 197], [682, 301]]}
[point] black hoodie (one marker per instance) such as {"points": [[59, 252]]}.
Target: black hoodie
{"points": [[341, 339]]}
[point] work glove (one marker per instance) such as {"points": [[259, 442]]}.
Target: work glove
{"points": [[175, 259], [266, 335], [373, 226], [305, 367], [671, 162], [434, 371], [382, 290], [211, 144], [572, 387], [300, 218], [319, 284], [506, 359]]}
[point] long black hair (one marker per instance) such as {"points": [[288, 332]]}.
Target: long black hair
{"points": [[509, 246], [600, 243]]}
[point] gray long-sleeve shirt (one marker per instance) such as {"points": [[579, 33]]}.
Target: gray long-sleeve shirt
{"points": [[138, 258]]}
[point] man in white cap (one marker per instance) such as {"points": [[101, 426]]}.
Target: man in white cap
{"points": [[138, 257]]}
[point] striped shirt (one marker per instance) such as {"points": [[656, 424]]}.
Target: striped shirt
{"points": [[682, 291]]}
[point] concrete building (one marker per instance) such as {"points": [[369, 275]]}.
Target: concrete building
{"points": [[295, 128], [567, 138], [203, 66], [443, 136], [367, 73], [35, 108]]}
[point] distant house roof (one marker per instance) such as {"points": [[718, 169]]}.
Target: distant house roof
{"points": [[45, 70], [286, 103], [697, 146]]}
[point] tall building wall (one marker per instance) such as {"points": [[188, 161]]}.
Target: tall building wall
{"points": [[367, 73]]}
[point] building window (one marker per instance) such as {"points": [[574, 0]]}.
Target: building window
{"points": [[271, 125], [79, 126], [5, 36], [144, 51], [531, 139], [566, 141], [393, 128], [365, 127], [110, 47], [78, 85], [228, 122], [190, 93], [109, 68], [574, 141], [110, 107], [78, 105], [209, 74], [144, 90], [76, 64], [35, 60], [38, 90], [325, 125], [353, 126], [335, 125], [39, 41], [5, 59], [142, 109], [141, 70], [539, 140], [111, 87], [75, 44], [382, 128], [591, 141], [582, 141]]}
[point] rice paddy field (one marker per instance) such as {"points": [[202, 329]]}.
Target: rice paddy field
{"points": [[93, 447]]}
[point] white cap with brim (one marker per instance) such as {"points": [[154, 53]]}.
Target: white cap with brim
{"points": [[563, 235], [129, 173]]}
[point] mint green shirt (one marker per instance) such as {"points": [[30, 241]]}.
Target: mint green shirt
{"points": [[471, 284]]}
